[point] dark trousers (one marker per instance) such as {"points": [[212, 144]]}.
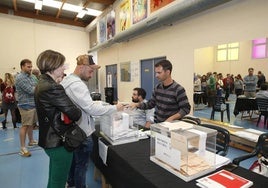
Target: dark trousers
{"points": [[77, 174]]}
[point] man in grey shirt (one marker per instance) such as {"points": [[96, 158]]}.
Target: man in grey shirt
{"points": [[250, 82]]}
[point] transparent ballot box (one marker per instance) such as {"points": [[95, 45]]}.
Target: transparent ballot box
{"points": [[118, 128], [186, 150]]}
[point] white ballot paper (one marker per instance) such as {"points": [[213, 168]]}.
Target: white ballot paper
{"points": [[103, 151]]}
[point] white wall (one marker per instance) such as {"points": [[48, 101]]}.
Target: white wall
{"points": [[233, 21], [205, 61], [26, 38]]}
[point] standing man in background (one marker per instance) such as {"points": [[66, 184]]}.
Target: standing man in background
{"points": [[79, 93], [250, 82], [169, 98], [25, 86]]}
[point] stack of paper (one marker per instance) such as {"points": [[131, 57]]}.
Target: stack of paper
{"points": [[178, 125]]}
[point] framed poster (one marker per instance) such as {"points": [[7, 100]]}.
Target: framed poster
{"points": [[124, 15], [102, 30], [125, 69], [110, 26], [139, 10], [157, 4]]}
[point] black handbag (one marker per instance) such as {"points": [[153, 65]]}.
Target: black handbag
{"points": [[71, 134], [73, 137]]}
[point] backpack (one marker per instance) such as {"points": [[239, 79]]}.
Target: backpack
{"points": [[9, 95]]}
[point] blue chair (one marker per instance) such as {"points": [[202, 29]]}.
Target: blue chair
{"points": [[263, 110], [218, 105]]}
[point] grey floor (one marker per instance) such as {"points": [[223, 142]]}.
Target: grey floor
{"points": [[32, 172]]}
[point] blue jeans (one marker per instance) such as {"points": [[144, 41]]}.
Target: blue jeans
{"points": [[77, 173]]}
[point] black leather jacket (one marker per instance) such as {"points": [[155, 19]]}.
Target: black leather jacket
{"points": [[51, 100]]}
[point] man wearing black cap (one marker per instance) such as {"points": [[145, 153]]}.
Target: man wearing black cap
{"points": [[79, 93]]}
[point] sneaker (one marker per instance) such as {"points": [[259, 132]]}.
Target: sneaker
{"points": [[33, 143], [24, 152]]}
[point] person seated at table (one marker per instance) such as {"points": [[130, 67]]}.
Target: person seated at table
{"points": [[263, 93], [250, 82], [143, 118]]}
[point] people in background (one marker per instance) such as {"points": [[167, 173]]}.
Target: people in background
{"points": [[219, 84], [263, 93], [169, 98], [211, 88], [250, 82], [79, 93], [25, 86], [143, 118], [51, 101], [261, 79], [36, 74], [8, 90], [238, 85], [204, 88], [227, 82], [197, 89], [197, 83]]}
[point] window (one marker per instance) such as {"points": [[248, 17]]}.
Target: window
{"points": [[259, 48], [228, 52]]}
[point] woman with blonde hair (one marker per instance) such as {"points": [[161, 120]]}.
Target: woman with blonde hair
{"points": [[8, 90]]}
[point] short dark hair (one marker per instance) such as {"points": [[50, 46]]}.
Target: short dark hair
{"points": [[264, 86], [49, 60], [165, 64], [24, 61], [141, 92]]}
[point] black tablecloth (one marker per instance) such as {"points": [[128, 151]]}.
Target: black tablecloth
{"points": [[129, 166], [245, 104]]}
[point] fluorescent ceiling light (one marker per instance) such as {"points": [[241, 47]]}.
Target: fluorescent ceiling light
{"points": [[72, 8], [82, 13], [93, 12], [51, 3], [67, 7], [38, 4]]}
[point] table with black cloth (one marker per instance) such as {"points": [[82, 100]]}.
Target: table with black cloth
{"points": [[129, 166], [245, 104]]}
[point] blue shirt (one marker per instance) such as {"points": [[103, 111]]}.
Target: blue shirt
{"points": [[140, 117], [25, 86]]}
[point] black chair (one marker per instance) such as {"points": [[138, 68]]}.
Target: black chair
{"points": [[222, 139], [95, 96], [261, 148], [218, 106], [263, 110], [191, 119]]}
